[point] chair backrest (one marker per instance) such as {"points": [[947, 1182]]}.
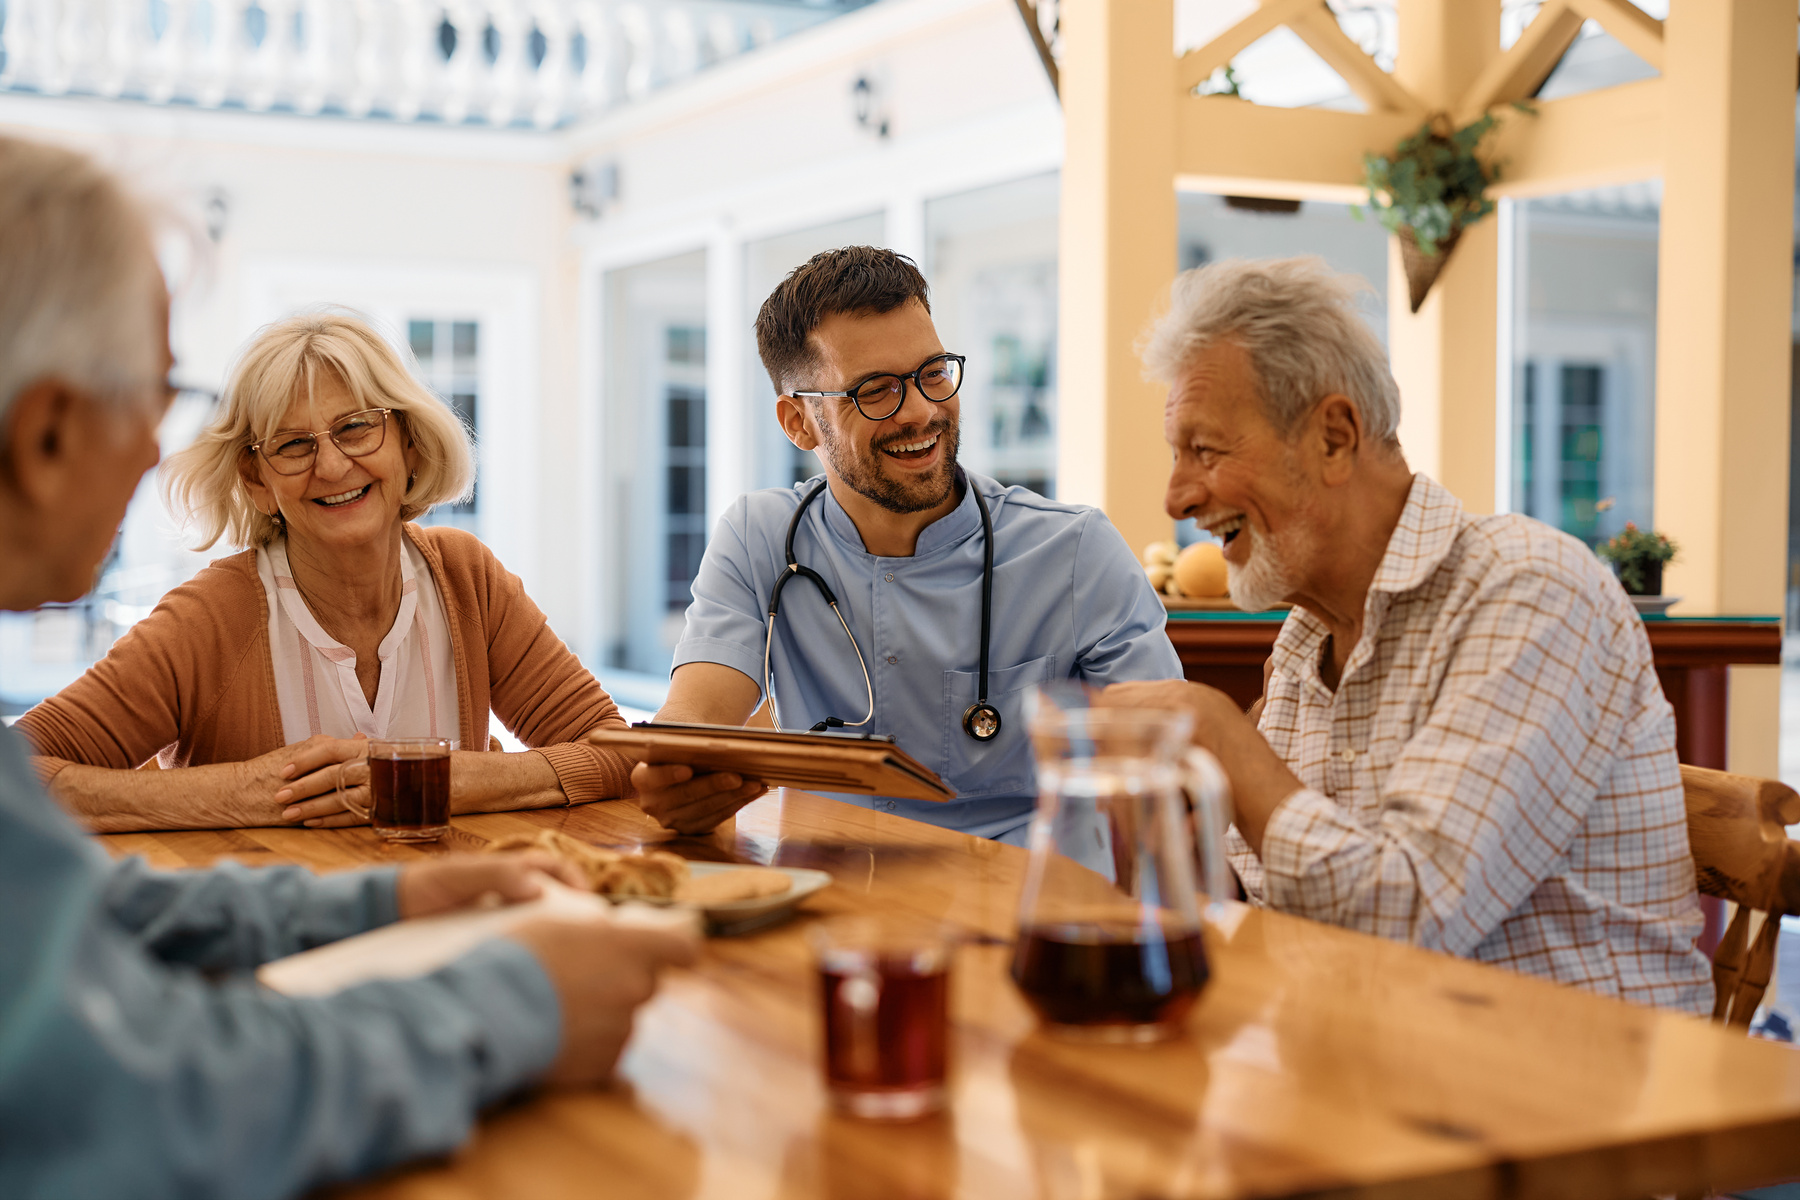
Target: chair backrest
{"points": [[1737, 830]]}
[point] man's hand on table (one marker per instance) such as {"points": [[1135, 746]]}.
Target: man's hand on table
{"points": [[674, 796], [454, 881], [1260, 781], [602, 972]]}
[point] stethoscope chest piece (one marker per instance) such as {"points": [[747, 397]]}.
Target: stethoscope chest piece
{"points": [[981, 721]]}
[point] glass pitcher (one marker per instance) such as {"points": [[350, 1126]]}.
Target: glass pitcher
{"points": [[1109, 945]]}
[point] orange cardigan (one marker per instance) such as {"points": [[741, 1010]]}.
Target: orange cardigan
{"points": [[194, 683]]}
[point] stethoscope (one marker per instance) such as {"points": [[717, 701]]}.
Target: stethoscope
{"points": [[980, 720]]}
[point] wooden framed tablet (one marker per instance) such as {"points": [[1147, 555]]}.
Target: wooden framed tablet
{"points": [[866, 764]]}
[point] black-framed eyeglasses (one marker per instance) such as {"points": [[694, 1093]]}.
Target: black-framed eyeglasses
{"points": [[292, 451], [879, 397]]}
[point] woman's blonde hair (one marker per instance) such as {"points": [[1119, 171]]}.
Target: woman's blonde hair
{"points": [[282, 364]]}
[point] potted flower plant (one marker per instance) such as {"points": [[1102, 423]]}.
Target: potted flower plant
{"points": [[1637, 557], [1428, 191]]}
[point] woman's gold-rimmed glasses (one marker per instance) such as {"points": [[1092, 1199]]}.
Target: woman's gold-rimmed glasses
{"points": [[292, 451]]}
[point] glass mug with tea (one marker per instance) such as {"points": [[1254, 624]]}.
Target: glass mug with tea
{"points": [[884, 984], [409, 788], [1109, 945]]}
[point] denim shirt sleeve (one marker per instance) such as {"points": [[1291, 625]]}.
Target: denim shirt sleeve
{"points": [[126, 1071], [235, 916]]}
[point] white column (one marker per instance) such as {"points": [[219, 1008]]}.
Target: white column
{"points": [[905, 226], [730, 426]]}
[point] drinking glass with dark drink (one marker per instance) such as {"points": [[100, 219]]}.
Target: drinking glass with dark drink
{"points": [[1110, 945], [409, 788], [884, 986]]}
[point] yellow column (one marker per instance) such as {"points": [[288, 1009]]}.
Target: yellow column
{"points": [[1724, 294], [1117, 255], [1443, 356]]}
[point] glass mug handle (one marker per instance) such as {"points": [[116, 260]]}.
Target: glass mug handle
{"points": [[1205, 781], [351, 806]]}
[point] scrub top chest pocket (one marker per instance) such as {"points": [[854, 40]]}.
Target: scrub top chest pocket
{"points": [[1003, 765]]}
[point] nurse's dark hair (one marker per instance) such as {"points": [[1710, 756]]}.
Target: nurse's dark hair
{"points": [[852, 279]]}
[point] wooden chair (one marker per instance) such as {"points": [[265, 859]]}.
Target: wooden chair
{"points": [[1738, 835]]}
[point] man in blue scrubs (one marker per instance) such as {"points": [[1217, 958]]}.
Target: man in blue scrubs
{"points": [[896, 533]]}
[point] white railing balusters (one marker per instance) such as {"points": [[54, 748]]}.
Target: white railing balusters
{"points": [[416, 57], [681, 42], [125, 22], [549, 87], [506, 75], [638, 43], [380, 58], [460, 73]]}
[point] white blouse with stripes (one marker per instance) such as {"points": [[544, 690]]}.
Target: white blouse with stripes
{"points": [[315, 675]]}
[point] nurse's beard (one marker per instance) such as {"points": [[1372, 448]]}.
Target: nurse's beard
{"points": [[865, 476]]}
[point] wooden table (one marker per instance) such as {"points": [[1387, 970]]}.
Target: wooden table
{"points": [[1319, 1062]]}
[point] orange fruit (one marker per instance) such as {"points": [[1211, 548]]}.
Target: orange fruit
{"points": [[1200, 570]]}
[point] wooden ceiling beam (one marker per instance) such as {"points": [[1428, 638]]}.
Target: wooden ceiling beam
{"points": [[1231, 146], [1319, 29], [1614, 135], [1520, 71], [1196, 66], [1637, 30], [1235, 147]]}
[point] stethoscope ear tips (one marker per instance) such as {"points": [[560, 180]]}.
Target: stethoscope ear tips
{"points": [[982, 722]]}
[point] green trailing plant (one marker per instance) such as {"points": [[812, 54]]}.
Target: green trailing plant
{"points": [[1431, 188], [1223, 82], [1634, 549], [1434, 184]]}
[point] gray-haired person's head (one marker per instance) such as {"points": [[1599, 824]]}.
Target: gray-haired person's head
{"points": [[77, 274], [1297, 321]]}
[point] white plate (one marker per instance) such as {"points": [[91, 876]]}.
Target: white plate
{"points": [[1654, 604], [742, 916]]}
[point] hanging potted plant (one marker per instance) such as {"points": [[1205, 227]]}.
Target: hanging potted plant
{"points": [[1637, 558], [1428, 191]]}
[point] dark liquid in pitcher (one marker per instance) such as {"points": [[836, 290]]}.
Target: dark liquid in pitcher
{"points": [[1083, 976], [900, 1043], [410, 793]]}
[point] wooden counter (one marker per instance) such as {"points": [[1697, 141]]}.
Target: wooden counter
{"points": [[1319, 1063], [1227, 649]]}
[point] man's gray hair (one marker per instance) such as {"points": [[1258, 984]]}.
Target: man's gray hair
{"points": [[1297, 320], [77, 269]]}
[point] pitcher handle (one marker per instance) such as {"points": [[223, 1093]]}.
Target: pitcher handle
{"points": [[1205, 781]]}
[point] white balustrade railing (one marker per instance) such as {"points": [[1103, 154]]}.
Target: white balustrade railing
{"points": [[502, 63]]}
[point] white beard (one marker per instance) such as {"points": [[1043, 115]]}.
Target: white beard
{"points": [[1265, 580]]}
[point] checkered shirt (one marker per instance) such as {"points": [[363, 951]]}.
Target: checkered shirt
{"points": [[1495, 775]]}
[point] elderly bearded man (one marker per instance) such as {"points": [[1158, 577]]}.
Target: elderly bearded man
{"points": [[1463, 744]]}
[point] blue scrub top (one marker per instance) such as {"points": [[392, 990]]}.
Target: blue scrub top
{"points": [[1070, 602]]}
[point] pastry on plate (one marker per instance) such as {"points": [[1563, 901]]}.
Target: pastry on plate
{"points": [[650, 874]]}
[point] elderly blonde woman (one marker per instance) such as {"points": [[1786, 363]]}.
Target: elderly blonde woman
{"points": [[256, 680]]}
